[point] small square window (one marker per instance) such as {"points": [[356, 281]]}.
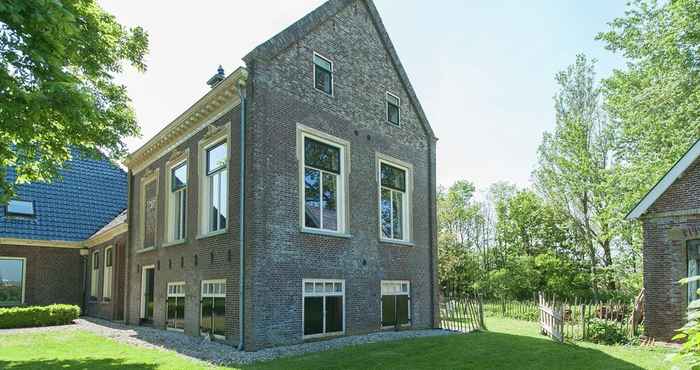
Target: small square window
{"points": [[20, 208], [393, 112], [323, 74]]}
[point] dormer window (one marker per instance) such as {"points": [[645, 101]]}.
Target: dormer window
{"points": [[393, 113], [21, 208], [323, 74]]}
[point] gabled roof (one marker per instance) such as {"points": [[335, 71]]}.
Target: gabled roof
{"points": [[294, 33], [669, 178], [89, 195]]}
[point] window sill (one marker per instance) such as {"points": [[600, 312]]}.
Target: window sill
{"points": [[213, 233], [331, 95], [397, 125], [174, 243], [333, 234], [144, 250], [334, 334], [175, 330], [400, 243]]}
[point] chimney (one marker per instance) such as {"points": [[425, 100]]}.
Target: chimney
{"points": [[218, 77]]}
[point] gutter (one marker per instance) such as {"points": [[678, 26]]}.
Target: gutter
{"points": [[241, 220]]}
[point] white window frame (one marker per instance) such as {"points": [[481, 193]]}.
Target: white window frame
{"points": [[24, 277], [223, 133], [202, 294], [400, 292], [304, 294], [95, 275], [407, 198], [332, 71], [386, 102], [304, 132], [107, 275], [145, 181], [170, 203], [174, 293]]}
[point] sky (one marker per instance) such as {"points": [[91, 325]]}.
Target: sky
{"points": [[482, 69]]}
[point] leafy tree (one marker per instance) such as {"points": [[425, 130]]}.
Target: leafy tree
{"points": [[57, 63]]}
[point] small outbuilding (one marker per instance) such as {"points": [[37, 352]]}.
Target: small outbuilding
{"points": [[670, 215]]}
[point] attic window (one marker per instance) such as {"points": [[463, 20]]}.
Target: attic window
{"points": [[20, 208], [323, 74], [393, 114]]}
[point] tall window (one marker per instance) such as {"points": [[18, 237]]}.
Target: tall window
{"points": [[323, 74], [213, 308], [323, 185], [107, 285], [178, 202], [217, 185], [324, 309], [393, 113], [176, 306], [393, 202], [693, 270], [395, 303], [94, 277], [149, 212], [12, 273]]}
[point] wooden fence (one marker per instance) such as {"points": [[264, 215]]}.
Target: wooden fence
{"points": [[461, 312], [551, 319]]}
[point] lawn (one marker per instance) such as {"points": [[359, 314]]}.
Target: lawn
{"points": [[508, 344]]}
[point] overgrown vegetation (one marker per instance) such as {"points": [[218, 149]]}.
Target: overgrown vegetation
{"points": [[22, 317]]}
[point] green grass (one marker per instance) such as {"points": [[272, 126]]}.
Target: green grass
{"points": [[509, 344]]}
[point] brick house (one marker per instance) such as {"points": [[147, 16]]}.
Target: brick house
{"points": [[670, 215], [48, 229], [320, 149]]}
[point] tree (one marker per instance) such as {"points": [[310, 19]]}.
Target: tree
{"points": [[656, 99], [57, 63]]}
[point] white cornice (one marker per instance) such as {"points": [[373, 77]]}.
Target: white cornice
{"points": [[106, 235], [41, 243], [220, 99]]}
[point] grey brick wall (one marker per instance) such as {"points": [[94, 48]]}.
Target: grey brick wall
{"points": [[670, 222]]}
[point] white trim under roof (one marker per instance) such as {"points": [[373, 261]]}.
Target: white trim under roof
{"points": [[671, 176]]}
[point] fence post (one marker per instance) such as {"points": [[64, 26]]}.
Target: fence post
{"points": [[583, 322], [482, 326]]}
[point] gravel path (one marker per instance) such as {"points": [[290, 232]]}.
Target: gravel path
{"points": [[217, 353]]}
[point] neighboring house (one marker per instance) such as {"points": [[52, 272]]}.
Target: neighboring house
{"points": [[46, 228], [338, 199], [670, 215]]}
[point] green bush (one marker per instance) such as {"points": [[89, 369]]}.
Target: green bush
{"points": [[22, 317], [606, 332]]}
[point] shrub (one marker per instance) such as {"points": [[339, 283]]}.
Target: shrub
{"points": [[606, 332], [22, 317]]}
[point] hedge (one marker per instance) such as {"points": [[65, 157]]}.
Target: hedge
{"points": [[22, 317]]}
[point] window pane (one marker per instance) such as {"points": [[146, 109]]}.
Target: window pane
{"points": [[216, 157], [329, 287], [385, 206], [330, 202], [179, 209], [391, 99], [313, 315], [309, 287], [219, 315], [150, 216], [397, 204], [20, 207], [312, 201], [214, 181], [11, 276], [393, 177], [392, 113], [402, 308], [322, 156], [334, 314], [322, 63], [338, 287], [388, 310], [207, 312], [319, 287], [223, 199], [179, 177], [180, 313], [323, 80]]}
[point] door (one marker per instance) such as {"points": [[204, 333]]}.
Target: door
{"points": [[147, 290]]}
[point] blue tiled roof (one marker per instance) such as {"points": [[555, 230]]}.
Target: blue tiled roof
{"points": [[87, 197]]}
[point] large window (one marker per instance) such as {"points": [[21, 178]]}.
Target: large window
{"points": [[395, 303], [149, 208], [107, 285], [213, 308], [323, 74], [393, 202], [176, 306], [95, 275], [20, 208], [393, 111], [217, 186], [323, 176], [177, 208], [324, 308], [12, 273]]}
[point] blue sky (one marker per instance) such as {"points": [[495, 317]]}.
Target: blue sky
{"points": [[484, 70]]}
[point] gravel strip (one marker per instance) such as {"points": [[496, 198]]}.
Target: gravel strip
{"points": [[217, 353]]}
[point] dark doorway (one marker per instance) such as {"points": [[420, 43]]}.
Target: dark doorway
{"points": [[148, 292]]}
